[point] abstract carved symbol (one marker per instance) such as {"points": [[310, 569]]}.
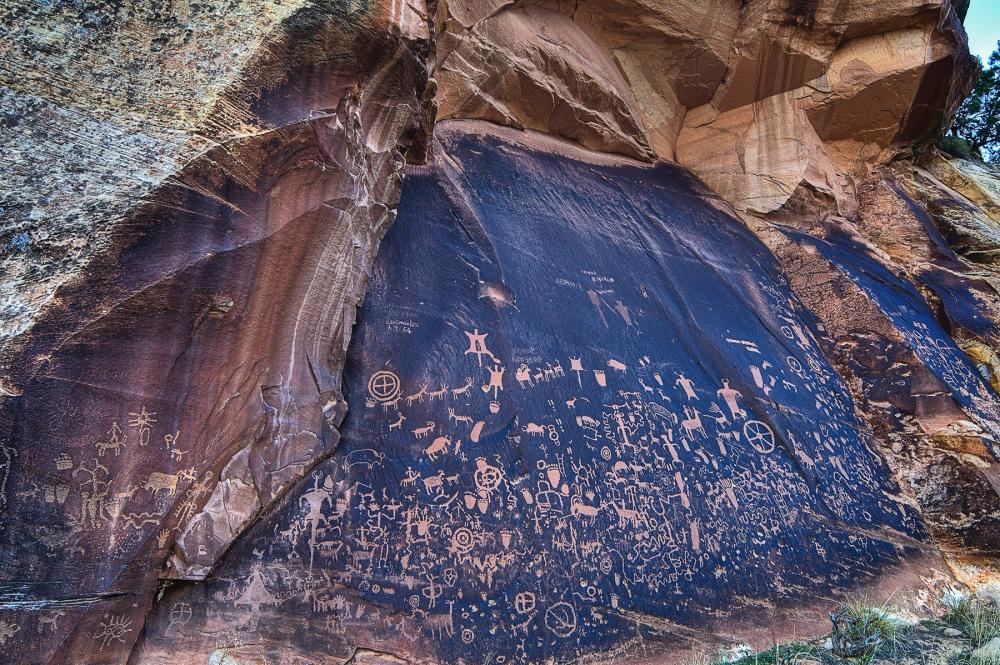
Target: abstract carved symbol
{"points": [[7, 630], [561, 619], [487, 476], [180, 614], [759, 435], [384, 386], [462, 541], [524, 602], [114, 628]]}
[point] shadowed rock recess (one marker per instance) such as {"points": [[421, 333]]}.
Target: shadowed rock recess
{"points": [[486, 331]]}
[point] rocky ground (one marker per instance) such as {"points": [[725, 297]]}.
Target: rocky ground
{"points": [[864, 634], [928, 642]]}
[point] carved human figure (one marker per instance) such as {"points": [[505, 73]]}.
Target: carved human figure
{"points": [[143, 421], [314, 499], [496, 380], [687, 385], [477, 345], [731, 396]]}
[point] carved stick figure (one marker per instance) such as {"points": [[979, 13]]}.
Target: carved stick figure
{"points": [[496, 380], [143, 421]]}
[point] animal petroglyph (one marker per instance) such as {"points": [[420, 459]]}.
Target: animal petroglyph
{"points": [[157, 482], [439, 445], [426, 430]]}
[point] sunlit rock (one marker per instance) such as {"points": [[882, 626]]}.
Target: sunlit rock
{"points": [[683, 334]]}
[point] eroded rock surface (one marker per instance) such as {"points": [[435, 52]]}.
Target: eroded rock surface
{"points": [[191, 374], [592, 408], [574, 446]]}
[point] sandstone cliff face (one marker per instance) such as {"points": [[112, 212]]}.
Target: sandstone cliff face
{"points": [[591, 408], [188, 370]]}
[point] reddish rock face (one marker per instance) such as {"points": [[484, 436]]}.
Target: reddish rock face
{"points": [[188, 233], [552, 459], [192, 374]]}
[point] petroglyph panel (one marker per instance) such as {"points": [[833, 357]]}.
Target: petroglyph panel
{"points": [[908, 311], [568, 418]]}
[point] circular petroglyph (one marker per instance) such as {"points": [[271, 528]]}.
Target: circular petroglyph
{"points": [[759, 435], [384, 386], [561, 619], [794, 364], [462, 540], [814, 364]]}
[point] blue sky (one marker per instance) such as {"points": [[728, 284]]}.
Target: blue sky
{"points": [[983, 26]]}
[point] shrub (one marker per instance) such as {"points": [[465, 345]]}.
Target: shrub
{"points": [[977, 618], [956, 147], [862, 630], [793, 653]]}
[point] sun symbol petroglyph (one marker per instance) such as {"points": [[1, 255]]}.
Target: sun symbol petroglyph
{"points": [[463, 541], [114, 628]]}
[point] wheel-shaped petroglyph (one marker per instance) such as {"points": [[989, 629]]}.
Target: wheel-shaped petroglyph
{"points": [[759, 435], [384, 386]]}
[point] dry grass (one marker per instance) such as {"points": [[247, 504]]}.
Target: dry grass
{"points": [[978, 619], [873, 630], [781, 654]]}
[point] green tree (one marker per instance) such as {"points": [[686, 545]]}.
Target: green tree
{"points": [[978, 119]]}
